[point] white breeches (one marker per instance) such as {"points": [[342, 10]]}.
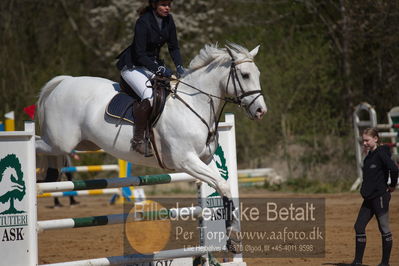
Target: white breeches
{"points": [[138, 80]]}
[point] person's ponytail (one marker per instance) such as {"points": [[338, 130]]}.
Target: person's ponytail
{"points": [[143, 10]]}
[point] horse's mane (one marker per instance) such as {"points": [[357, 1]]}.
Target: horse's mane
{"points": [[212, 53]]}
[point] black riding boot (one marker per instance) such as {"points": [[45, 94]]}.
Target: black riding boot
{"points": [[386, 249], [141, 114], [360, 247]]}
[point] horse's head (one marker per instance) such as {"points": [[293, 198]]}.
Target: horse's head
{"points": [[243, 82]]}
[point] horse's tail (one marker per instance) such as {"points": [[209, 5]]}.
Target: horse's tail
{"points": [[46, 161], [44, 93]]}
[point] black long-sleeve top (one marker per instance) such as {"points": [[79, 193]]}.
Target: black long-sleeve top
{"points": [[147, 42], [376, 165]]}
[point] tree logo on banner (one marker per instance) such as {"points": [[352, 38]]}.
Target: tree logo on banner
{"points": [[12, 184], [221, 163]]}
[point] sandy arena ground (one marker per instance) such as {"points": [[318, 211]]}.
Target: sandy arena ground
{"points": [[103, 241]]}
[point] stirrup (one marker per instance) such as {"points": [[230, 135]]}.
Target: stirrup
{"points": [[141, 147]]}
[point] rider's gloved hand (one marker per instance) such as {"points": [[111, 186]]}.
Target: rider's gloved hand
{"points": [[164, 72], [180, 71]]}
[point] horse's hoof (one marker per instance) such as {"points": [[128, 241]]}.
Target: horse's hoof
{"points": [[234, 243], [234, 246]]}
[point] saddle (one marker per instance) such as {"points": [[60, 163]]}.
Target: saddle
{"points": [[121, 105]]}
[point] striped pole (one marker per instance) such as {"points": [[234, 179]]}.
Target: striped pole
{"points": [[252, 180], [115, 182], [139, 259], [90, 168], [89, 152], [90, 221], [389, 134], [259, 172], [387, 126], [81, 193]]}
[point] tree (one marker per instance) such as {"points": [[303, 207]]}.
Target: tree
{"points": [[364, 38]]}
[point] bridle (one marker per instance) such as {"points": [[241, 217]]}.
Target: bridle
{"points": [[233, 76], [236, 99]]}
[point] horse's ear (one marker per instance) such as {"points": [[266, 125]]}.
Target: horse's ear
{"points": [[254, 51]]}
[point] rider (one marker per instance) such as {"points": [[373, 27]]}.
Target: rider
{"points": [[140, 61]]}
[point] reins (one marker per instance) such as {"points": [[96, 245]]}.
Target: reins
{"points": [[233, 77]]}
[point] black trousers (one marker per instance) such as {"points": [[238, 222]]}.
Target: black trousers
{"points": [[379, 207]]}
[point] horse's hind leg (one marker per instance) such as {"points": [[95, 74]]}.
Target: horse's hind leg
{"points": [[58, 138], [42, 147], [49, 159]]}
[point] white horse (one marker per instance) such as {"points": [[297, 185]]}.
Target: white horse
{"points": [[72, 116]]}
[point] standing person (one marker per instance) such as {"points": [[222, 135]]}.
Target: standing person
{"points": [[52, 175], [140, 61], [376, 194], [69, 175]]}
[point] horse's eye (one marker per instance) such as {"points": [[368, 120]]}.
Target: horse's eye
{"points": [[245, 75]]}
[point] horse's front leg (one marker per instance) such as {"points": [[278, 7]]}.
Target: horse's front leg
{"points": [[210, 174], [234, 242]]}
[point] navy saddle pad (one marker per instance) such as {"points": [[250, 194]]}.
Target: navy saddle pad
{"points": [[121, 106]]}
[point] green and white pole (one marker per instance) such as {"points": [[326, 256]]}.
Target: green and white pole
{"points": [[115, 182]]}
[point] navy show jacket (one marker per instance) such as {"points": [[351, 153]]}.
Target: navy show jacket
{"points": [[376, 166], [147, 42]]}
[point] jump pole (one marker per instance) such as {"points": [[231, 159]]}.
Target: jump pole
{"points": [[118, 218], [115, 182], [138, 259], [112, 191]]}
